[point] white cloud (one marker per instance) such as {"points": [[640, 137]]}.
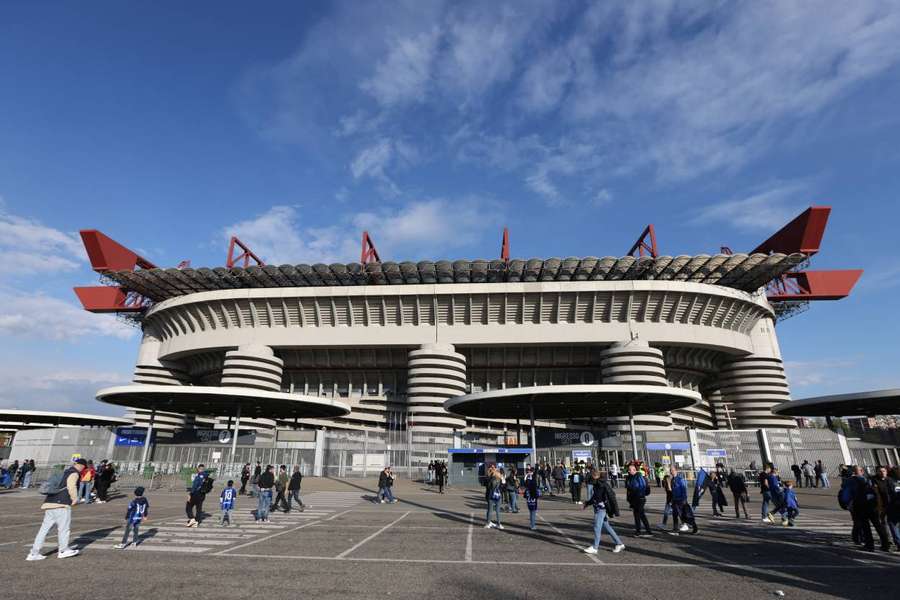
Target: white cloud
{"points": [[403, 75], [416, 229], [37, 316], [372, 161], [429, 227], [767, 210], [30, 247], [277, 238], [828, 372], [71, 389]]}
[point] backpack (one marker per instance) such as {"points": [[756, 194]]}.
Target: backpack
{"points": [[845, 494], [54, 484], [207, 485]]}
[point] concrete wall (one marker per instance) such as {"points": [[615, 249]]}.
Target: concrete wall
{"points": [[56, 446]]}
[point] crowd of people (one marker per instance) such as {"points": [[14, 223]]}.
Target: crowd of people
{"points": [[15, 475], [438, 474], [873, 501]]}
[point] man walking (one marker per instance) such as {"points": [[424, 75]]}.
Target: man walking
{"points": [[281, 484], [194, 505], [637, 491], [245, 477], [809, 474], [294, 489], [62, 495]]}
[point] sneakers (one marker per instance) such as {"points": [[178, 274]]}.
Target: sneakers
{"points": [[191, 523], [499, 526], [618, 548], [684, 527], [765, 520], [590, 550], [489, 525], [120, 546], [31, 557], [784, 522], [69, 553]]}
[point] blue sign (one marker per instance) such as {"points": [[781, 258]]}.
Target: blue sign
{"points": [[668, 446], [130, 436], [579, 455], [717, 452]]}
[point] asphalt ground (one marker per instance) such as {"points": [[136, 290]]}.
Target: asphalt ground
{"points": [[435, 546]]}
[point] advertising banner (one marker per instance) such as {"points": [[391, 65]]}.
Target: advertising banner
{"points": [[212, 437]]}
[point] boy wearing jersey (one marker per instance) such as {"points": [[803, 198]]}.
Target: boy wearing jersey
{"points": [[138, 512], [226, 503]]}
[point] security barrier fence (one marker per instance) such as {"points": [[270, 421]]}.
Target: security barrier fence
{"points": [[363, 454]]}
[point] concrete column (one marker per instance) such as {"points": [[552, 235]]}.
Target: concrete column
{"points": [[845, 448], [634, 362], [764, 446], [148, 439], [695, 448], [319, 454], [756, 383], [436, 372]]}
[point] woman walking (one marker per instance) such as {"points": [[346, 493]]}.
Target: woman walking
{"points": [[493, 494], [604, 502], [512, 490], [532, 493], [265, 484]]}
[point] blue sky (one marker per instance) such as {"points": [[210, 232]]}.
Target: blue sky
{"points": [[433, 125]]}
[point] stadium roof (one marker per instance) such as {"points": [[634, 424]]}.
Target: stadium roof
{"points": [[747, 272], [15, 419], [572, 401], [879, 402]]}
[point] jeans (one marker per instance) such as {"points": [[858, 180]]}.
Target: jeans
{"points": [[262, 506], [226, 516], [532, 518], [809, 481], [513, 501], [766, 498], [666, 512], [589, 491], [495, 504], [129, 526], [26, 482], [84, 490], [601, 523], [386, 493], [825, 483], [294, 495], [62, 518], [894, 527]]}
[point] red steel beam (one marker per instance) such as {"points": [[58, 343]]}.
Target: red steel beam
{"points": [[641, 245], [107, 255], [368, 253], [504, 246], [813, 285], [109, 299], [803, 234], [245, 256]]}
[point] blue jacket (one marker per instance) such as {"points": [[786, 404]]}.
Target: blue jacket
{"points": [[226, 499], [679, 489], [198, 482], [138, 509], [790, 498]]}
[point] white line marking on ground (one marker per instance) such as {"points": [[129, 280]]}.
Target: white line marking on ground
{"points": [[570, 540], [708, 565], [469, 537], [383, 529], [274, 535]]}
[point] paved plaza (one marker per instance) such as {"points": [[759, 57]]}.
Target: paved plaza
{"points": [[434, 545]]}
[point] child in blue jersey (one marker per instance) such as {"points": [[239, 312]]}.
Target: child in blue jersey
{"points": [[226, 503], [791, 506], [138, 512]]}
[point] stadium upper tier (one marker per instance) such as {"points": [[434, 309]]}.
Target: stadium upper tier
{"points": [[747, 272]]}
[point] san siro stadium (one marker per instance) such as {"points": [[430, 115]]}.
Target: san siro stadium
{"points": [[395, 341]]}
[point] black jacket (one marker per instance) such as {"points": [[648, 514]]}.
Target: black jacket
{"points": [[604, 496], [294, 485], [267, 480], [385, 480]]}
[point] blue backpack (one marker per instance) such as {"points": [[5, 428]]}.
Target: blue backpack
{"points": [[845, 494]]}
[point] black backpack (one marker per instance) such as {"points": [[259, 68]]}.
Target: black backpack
{"points": [[207, 485]]}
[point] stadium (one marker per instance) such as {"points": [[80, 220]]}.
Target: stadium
{"points": [[396, 341]]}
